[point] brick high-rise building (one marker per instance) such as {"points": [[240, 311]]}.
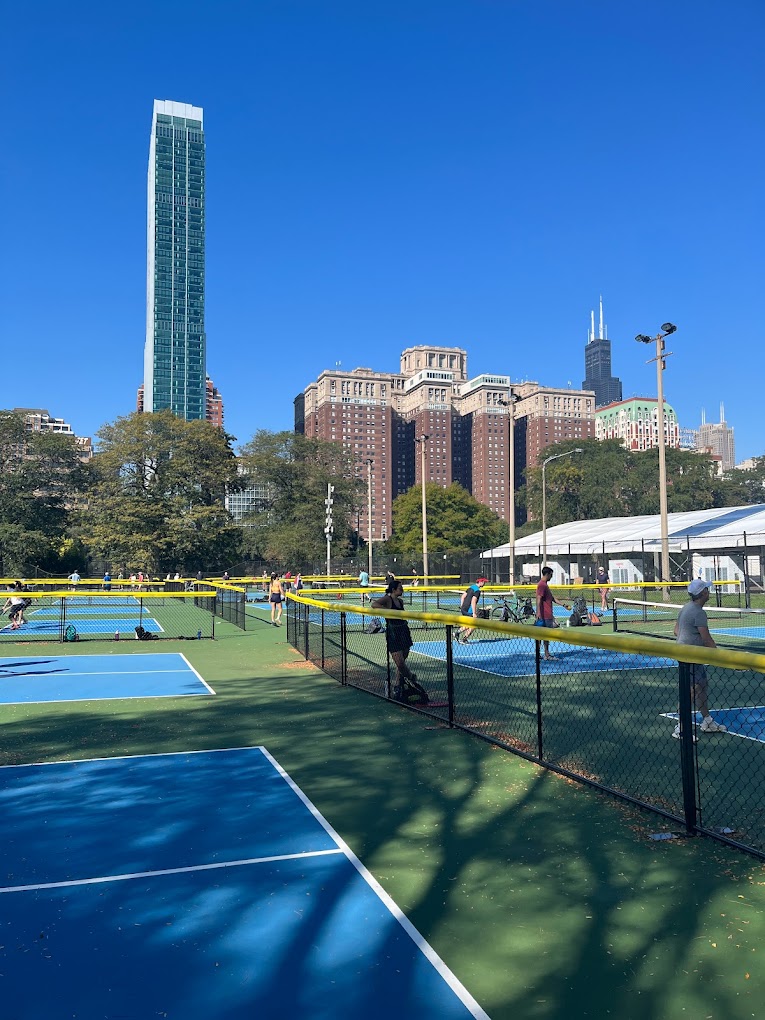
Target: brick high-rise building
{"points": [[214, 403], [381, 417]]}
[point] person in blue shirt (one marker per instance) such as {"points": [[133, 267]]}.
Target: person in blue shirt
{"points": [[363, 583], [469, 607], [107, 581]]}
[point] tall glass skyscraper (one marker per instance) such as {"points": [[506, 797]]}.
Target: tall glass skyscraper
{"points": [[174, 356]]}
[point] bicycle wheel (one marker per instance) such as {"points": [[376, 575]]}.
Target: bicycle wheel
{"points": [[499, 613]]}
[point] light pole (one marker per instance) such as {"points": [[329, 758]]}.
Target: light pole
{"points": [[423, 441], [661, 363], [545, 462], [329, 527], [369, 516], [514, 398]]}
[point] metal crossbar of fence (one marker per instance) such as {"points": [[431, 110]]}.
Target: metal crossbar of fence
{"points": [[62, 616], [621, 713]]}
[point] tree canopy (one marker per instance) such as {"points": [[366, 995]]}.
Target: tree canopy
{"points": [[294, 472], [607, 480], [41, 479], [156, 497], [456, 521]]}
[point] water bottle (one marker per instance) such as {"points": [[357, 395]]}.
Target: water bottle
{"points": [[116, 635], [199, 635]]}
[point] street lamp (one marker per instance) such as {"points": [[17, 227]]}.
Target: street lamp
{"points": [[661, 363], [545, 462], [514, 398], [369, 515], [423, 441]]}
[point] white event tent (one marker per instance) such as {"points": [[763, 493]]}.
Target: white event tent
{"points": [[711, 543]]}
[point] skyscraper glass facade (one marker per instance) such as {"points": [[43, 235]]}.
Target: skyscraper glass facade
{"points": [[174, 356]]}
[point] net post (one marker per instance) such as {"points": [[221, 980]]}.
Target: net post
{"points": [[450, 675], [686, 712]]}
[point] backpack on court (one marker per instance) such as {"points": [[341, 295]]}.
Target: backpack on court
{"points": [[70, 634], [144, 635], [580, 616], [374, 626], [409, 692]]}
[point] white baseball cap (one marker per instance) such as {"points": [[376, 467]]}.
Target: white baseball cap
{"points": [[695, 588]]}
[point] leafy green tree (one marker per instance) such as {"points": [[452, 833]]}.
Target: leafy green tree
{"points": [[157, 494], [295, 472], [456, 522], [607, 480], [41, 479]]}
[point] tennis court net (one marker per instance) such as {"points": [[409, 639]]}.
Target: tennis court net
{"points": [[740, 628]]}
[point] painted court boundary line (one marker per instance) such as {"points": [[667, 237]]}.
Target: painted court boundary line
{"points": [[424, 947], [166, 871], [674, 717], [552, 672]]}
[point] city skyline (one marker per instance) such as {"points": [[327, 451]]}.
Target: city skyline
{"points": [[353, 213]]}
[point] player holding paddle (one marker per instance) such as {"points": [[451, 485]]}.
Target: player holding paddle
{"points": [[545, 600]]}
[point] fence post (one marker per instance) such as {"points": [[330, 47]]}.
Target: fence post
{"points": [[307, 611], [450, 675], [747, 596], [343, 651], [538, 667], [686, 713], [62, 618], [306, 628]]}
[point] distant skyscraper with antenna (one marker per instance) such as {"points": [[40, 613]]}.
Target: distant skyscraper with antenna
{"points": [[717, 438], [597, 364]]}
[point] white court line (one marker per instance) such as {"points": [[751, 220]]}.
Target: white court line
{"points": [[165, 871], [425, 948], [196, 673], [110, 672], [673, 717]]}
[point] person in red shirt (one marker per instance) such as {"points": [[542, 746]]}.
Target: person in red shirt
{"points": [[545, 600]]}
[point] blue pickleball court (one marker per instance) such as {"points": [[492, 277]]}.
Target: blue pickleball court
{"points": [[30, 679], [198, 885]]}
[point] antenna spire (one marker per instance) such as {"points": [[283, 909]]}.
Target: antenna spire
{"points": [[600, 334]]}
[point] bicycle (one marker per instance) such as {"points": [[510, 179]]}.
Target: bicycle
{"points": [[518, 611]]}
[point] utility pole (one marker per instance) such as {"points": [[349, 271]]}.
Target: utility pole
{"points": [[329, 527], [423, 441], [369, 516], [661, 363]]}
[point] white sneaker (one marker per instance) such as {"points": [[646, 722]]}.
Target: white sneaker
{"points": [[676, 733], [710, 726]]}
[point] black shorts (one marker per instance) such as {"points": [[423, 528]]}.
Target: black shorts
{"points": [[275, 597]]}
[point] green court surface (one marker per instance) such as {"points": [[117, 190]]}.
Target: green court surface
{"points": [[547, 899]]}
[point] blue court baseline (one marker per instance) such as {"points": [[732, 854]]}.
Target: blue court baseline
{"points": [[198, 885], [35, 679]]}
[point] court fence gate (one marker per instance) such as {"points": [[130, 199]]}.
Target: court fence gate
{"points": [[614, 712]]}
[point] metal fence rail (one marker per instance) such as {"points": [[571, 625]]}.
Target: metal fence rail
{"points": [[603, 711]]}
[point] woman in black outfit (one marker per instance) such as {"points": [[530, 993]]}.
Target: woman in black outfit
{"points": [[398, 637]]}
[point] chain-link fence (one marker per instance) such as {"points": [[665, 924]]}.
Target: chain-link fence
{"points": [[91, 615], [625, 714]]}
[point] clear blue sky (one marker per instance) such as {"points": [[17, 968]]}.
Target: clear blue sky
{"points": [[382, 174]]}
